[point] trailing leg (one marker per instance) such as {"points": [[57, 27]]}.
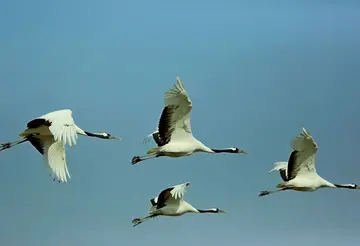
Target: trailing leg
{"points": [[137, 159], [138, 221], [12, 144], [267, 192]]}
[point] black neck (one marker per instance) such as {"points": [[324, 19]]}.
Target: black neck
{"points": [[206, 211], [223, 150], [344, 186], [93, 135]]}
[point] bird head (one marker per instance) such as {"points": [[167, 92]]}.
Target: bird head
{"points": [[106, 135], [354, 186], [237, 150], [218, 211]]}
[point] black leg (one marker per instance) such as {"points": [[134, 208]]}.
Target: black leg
{"points": [[137, 159]]}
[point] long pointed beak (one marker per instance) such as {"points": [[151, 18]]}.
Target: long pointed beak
{"points": [[115, 138], [222, 211], [242, 152], [358, 188]]}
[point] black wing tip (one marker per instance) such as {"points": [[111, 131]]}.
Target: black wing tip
{"points": [[291, 163], [165, 129]]}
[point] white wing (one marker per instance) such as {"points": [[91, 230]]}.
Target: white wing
{"points": [[170, 195], [280, 165], [62, 126], [150, 136], [177, 96], [304, 142], [54, 157], [179, 191], [175, 118], [304, 158]]}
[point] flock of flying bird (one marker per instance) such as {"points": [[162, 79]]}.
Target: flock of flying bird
{"points": [[51, 132]]}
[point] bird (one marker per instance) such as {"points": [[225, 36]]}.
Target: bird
{"points": [[49, 134], [170, 203], [299, 173], [173, 135]]}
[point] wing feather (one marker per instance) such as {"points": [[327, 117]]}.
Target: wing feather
{"points": [[62, 126], [155, 135], [281, 166], [304, 142], [179, 191], [175, 118], [166, 124], [169, 195], [294, 165], [177, 95], [55, 158], [302, 159], [37, 143]]}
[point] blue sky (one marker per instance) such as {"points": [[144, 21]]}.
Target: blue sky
{"points": [[256, 73]]}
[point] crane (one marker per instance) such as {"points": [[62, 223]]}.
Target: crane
{"points": [[170, 203], [48, 134], [299, 173], [174, 136]]}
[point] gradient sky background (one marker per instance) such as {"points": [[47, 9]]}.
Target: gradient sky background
{"points": [[256, 73]]}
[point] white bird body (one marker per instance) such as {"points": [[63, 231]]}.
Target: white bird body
{"points": [[299, 173], [175, 209], [48, 134], [173, 135], [181, 148], [170, 203], [310, 182]]}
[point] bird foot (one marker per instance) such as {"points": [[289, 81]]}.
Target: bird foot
{"points": [[5, 145], [135, 160], [264, 193]]}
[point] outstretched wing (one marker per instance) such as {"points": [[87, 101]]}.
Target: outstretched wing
{"points": [[302, 159], [55, 158], [281, 166], [177, 95], [62, 126], [179, 190], [170, 195], [175, 118], [304, 142]]}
